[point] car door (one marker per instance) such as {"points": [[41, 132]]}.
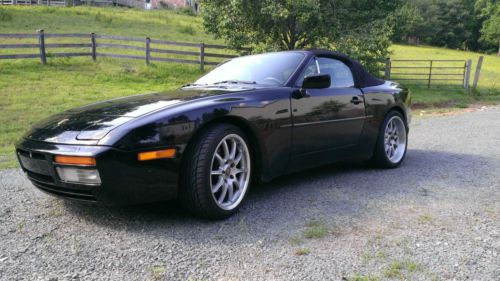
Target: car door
{"points": [[327, 119]]}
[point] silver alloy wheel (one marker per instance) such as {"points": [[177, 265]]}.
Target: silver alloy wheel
{"points": [[395, 139], [230, 172]]}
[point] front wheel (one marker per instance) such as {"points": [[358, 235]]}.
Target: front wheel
{"points": [[216, 174], [392, 141]]}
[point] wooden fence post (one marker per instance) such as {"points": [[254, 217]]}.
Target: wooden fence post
{"points": [[41, 42], [94, 46], [430, 75], [202, 56], [148, 50], [476, 75], [388, 69], [467, 74]]}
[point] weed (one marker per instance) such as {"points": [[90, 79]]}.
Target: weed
{"points": [[424, 219], [397, 269], [315, 229], [359, 277], [380, 255], [296, 240], [302, 251], [21, 225], [158, 271], [57, 210], [394, 270]]}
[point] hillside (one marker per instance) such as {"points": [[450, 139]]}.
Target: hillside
{"points": [[158, 24], [31, 91]]}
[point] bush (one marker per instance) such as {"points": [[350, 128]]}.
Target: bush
{"points": [[187, 11]]}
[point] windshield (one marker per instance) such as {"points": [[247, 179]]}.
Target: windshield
{"points": [[267, 69]]}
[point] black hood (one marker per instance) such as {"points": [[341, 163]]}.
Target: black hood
{"points": [[89, 124]]}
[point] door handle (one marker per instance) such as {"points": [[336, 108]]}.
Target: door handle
{"points": [[356, 100]]}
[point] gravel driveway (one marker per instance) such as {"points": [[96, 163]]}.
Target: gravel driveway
{"points": [[437, 217]]}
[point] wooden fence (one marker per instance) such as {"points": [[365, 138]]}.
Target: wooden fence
{"points": [[139, 4], [34, 2], [146, 49], [434, 72]]}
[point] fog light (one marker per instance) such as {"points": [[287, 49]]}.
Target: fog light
{"points": [[79, 175]]}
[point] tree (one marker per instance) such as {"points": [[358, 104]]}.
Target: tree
{"points": [[405, 22], [284, 25], [491, 26], [451, 29], [298, 24]]}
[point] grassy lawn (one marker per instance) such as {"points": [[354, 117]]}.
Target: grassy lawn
{"points": [[30, 91], [452, 96]]}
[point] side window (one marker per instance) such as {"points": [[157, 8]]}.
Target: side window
{"points": [[311, 69], [339, 72]]}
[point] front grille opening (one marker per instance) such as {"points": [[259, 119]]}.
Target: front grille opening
{"points": [[33, 155], [40, 178], [84, 195]]}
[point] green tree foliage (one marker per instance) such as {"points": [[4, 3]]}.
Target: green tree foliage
{"points": [[491, 26], [357, 27], [451, 25], [406, 22], [369, 46], [283, 25]]}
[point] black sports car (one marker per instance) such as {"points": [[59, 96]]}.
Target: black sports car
{"points": [[251, 118]]}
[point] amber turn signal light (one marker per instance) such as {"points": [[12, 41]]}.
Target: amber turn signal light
{"points": [[158, 154], [75, 160]]}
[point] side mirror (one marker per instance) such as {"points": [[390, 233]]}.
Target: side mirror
{"points": [[320, 81]]}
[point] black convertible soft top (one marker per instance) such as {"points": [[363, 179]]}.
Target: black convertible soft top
{"points": [[362, 78]]}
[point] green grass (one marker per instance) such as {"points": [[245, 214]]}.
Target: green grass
{"points": [[360, 277], [302, 251], [315, 230], [30, 91], [451, 96], [399, 269], [157, 24]]}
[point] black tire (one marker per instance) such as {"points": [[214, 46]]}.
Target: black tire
{"points": [[195, 189], [380, 159]]}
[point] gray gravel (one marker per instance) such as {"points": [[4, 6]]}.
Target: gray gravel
{"points": [[437, 217]]}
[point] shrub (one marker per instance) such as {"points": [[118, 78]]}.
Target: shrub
{"points": [[187, 11]]}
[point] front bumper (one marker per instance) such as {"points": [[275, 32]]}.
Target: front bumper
{"points": [[124, 179]]}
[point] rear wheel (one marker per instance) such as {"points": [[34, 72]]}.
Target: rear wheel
{"points": [[392, 141], [216, 174]]}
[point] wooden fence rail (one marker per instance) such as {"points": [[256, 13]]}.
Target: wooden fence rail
{"points": [[458, 72], [97, 42]]}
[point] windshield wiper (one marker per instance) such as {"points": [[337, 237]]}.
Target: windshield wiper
{"points": [[234, 82]]}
